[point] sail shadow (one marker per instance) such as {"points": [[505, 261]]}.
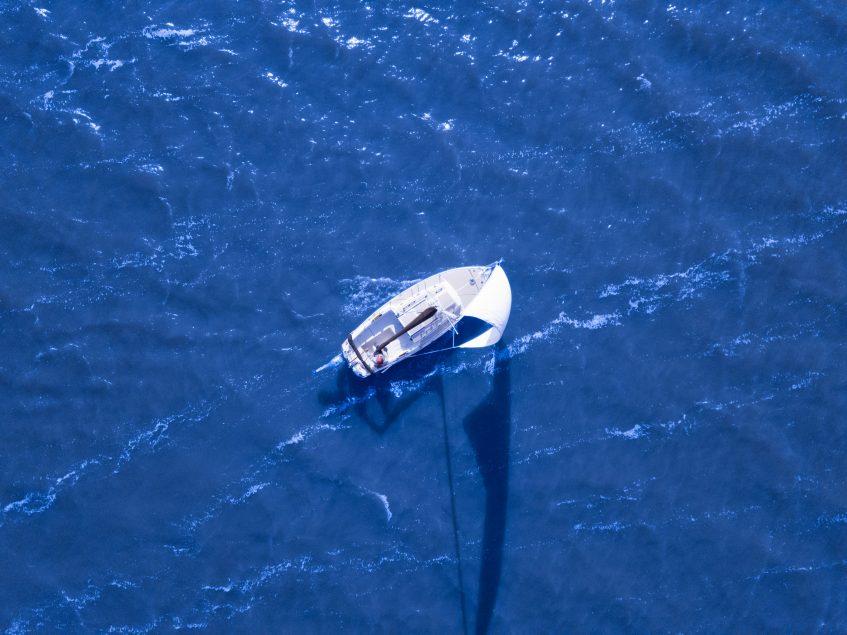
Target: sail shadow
{"points": [[488, 428]]}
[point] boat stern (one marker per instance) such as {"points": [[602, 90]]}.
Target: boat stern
{"points": [[356, 359]]}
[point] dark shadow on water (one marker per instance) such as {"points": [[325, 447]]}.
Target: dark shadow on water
{"points": [[359, 395], [488, 428]]}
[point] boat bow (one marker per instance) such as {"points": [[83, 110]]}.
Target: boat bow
{"points": [[492, 305]]}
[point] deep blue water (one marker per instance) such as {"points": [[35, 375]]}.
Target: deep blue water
{"points": [[200, 200]]}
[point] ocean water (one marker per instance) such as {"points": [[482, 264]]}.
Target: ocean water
{"points": [[201, 199]]}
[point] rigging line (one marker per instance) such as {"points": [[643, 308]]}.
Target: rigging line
{"points": [[446, 313], [447, 454], [488, 268], [458, 290], [440, 350]]}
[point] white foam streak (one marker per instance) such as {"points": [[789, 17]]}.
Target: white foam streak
{"points": [[421, 16], [680, 286], [307, 565], [635, 432], [275, 80], [156, 435], [153, 33], [592, 323], [186, 38], [807, 568], [250, 493], [307, 432], [383, 499], [39, 501], [614, 526]]}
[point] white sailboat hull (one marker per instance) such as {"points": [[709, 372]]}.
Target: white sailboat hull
{"points": [[416, 317]]}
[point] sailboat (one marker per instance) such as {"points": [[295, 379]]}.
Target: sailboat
{"points": [[479, 296]]}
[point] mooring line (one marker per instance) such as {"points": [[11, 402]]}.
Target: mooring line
{"points": [[447, 454]]}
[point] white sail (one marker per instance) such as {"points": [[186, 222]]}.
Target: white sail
{"points": [[492, 305]]}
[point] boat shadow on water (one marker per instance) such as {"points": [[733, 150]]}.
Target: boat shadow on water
{"points": [[488, 428], [393, 391]]}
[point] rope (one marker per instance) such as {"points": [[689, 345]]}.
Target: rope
{"points": [[440, 350]]}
